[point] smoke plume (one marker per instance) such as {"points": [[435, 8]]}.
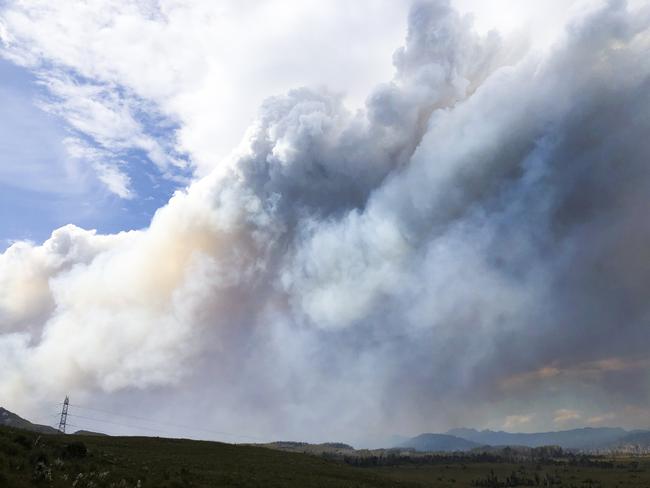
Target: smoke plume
{"points": [[472, 246]]}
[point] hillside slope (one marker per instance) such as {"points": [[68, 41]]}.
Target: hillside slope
{"points": [[10, 419], [57, 461]]}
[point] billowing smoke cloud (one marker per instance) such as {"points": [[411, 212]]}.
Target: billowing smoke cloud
{"points": [[470, 248]]}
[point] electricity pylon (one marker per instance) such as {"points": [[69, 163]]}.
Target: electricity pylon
{"points": [[64, 415]]}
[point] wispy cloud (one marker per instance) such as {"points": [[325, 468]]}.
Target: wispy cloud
{"points": [[515, 422], [588, 370], [564, 415], [602, 419]]}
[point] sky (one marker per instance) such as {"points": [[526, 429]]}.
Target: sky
{"points": [[326, 221]]}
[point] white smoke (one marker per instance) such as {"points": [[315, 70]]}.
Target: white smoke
{"points": [[355, 273]]}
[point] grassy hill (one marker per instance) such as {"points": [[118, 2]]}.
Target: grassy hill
{"points": [[28, 458]]}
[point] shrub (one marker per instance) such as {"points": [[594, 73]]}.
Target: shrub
{"points": [[38, 457], [23, 441], [76, 449], [8, 448]]}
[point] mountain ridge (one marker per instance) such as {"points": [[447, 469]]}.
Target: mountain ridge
{"points": [[11, 419], [439, 442], [579, 438], [584, 438]]}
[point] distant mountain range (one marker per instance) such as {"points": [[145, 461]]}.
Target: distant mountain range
{"points": [[568, 439], [588, 438]]}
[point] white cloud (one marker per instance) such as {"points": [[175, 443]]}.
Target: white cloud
{"points": [[107, 169], [116, 181], [205, 65]]}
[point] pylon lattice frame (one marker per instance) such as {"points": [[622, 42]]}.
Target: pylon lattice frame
{"points": [[64, 415]]}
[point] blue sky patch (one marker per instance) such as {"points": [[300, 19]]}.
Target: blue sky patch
{"points": [[42, 187]]}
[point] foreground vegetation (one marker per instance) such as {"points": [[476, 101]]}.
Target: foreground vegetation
{"points": [[30, 459], [33, 459], [624, 473]]}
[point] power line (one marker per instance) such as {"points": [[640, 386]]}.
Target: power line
{"points": [[122, 415], [118, 423], [47, 419], [166, 424]]}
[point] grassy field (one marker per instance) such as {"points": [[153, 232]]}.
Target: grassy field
{"points": [[30, 459], [624, 473], [27, 459]]}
